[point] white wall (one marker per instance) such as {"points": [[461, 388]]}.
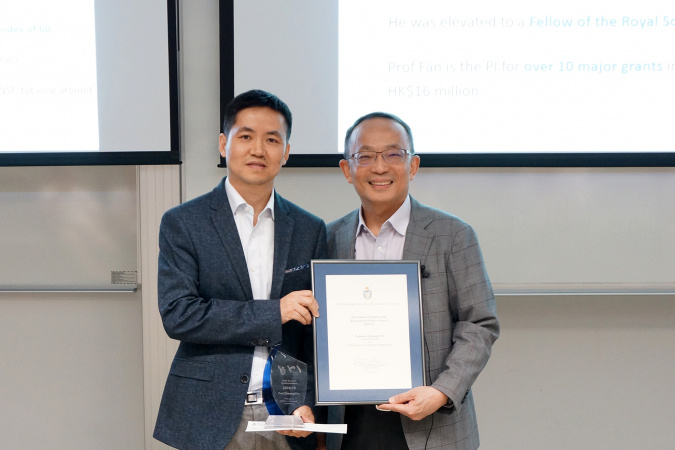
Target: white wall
{"points": [[591, 372], [71, 376], [580, 372]]}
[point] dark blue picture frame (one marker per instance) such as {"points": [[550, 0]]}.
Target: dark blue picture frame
{"points": [[322, 268]]}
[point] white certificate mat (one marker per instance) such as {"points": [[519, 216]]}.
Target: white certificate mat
{"points": [[368, 337], [367, 322]]}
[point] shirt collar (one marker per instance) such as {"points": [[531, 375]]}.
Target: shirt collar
{"points": [[398, 221], [237, 201]]}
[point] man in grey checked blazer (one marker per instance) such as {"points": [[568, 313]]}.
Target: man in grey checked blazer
{"points": [[460, 321]]}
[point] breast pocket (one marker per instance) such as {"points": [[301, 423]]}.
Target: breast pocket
{"points": [[297, 278]]}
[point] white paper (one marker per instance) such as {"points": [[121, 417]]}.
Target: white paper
{"points": [[257, 427], [368, 339]]}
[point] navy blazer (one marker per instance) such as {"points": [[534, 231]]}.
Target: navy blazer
{"points": [[206, 302]]}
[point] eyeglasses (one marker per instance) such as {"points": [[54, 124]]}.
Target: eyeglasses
{"points": [[391, 156]]}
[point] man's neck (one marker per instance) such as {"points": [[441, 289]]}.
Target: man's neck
{"points": [[376, 215], [255, 195]]}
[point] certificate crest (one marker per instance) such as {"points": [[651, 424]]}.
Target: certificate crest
{"points": [[367, 293]]}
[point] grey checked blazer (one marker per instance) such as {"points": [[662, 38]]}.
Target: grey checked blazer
{"points": [[206, 302], [460, 320]]}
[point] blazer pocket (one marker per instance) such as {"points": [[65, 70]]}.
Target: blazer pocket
{"points": [[297, 269], [199, 370]]}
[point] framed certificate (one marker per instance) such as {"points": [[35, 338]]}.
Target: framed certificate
{"points": [[368, 338]]}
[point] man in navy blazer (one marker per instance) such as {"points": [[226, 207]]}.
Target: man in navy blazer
{"points": [[234, 281], [459, 313]]}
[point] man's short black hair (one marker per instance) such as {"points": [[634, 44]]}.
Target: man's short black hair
{"points": [[253, 99], [378, 115]]}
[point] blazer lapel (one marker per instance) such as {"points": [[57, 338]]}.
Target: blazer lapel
{"points": [[417, 238], [283, 232], [345, 237], [223, 221]]}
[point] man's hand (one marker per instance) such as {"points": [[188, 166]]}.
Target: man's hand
{"points": [[300, 306], [307, 416], [417, 403]]}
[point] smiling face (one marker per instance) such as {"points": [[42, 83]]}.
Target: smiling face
{"points": [[255, 148], [382, 187]]}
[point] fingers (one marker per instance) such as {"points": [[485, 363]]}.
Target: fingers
{"points": [[313, 305], [307, 300], [300, 306], [293, 311], [385, 407], [403, 397], [305, 413], [417, 403], [295, 433], [307, 416], [300, 434], [398, 403]]}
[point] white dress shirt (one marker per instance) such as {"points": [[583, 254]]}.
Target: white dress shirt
{"points": [[388, 244], [258, 245]]}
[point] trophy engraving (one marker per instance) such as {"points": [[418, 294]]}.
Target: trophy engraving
{"points": [[288, 382]]}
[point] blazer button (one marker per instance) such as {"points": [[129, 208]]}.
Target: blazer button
{"points": [[243, 379]]}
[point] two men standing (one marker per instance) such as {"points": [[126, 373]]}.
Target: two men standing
{"points": [[223, 254]]}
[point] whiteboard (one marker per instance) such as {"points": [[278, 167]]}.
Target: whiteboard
{"points": [[565, 230], [67, 228]]}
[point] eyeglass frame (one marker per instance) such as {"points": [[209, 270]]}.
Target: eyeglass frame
{"points": [[406, 154]]}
